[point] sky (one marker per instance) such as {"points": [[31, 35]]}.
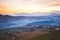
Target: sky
{"points": [[28, 6]]}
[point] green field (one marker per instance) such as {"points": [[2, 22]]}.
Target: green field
{"points": [[48, 36]]}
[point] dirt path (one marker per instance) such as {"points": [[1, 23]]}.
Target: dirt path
{"points": [[28, 35]]}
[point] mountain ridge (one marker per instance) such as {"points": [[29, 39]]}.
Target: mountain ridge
{"points": [[7, 21]]}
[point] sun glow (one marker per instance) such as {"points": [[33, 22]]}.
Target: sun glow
{"points": [[31, 8], [28, 6]]}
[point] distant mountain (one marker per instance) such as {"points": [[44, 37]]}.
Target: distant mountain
{"points": [[44, 23], [52, 19], [7, 21]]}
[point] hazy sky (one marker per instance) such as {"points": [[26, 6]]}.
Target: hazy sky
{"points": [[28, 6]]}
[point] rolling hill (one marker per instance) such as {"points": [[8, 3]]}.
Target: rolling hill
{"points": [[48, 36]]}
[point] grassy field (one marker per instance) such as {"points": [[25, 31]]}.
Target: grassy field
{"points": [[48, 36]]}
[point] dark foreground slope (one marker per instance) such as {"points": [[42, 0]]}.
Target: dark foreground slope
{"points": [[20, 35], [48, 36]]}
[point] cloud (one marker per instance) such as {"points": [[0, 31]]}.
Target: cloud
{"points": [[54, 4], [28, 5], [23, 2]]}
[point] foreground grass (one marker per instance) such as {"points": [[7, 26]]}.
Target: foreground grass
{"points": [[48, 36]]}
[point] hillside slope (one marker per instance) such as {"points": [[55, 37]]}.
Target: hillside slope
{"points": [[48, 36]]}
